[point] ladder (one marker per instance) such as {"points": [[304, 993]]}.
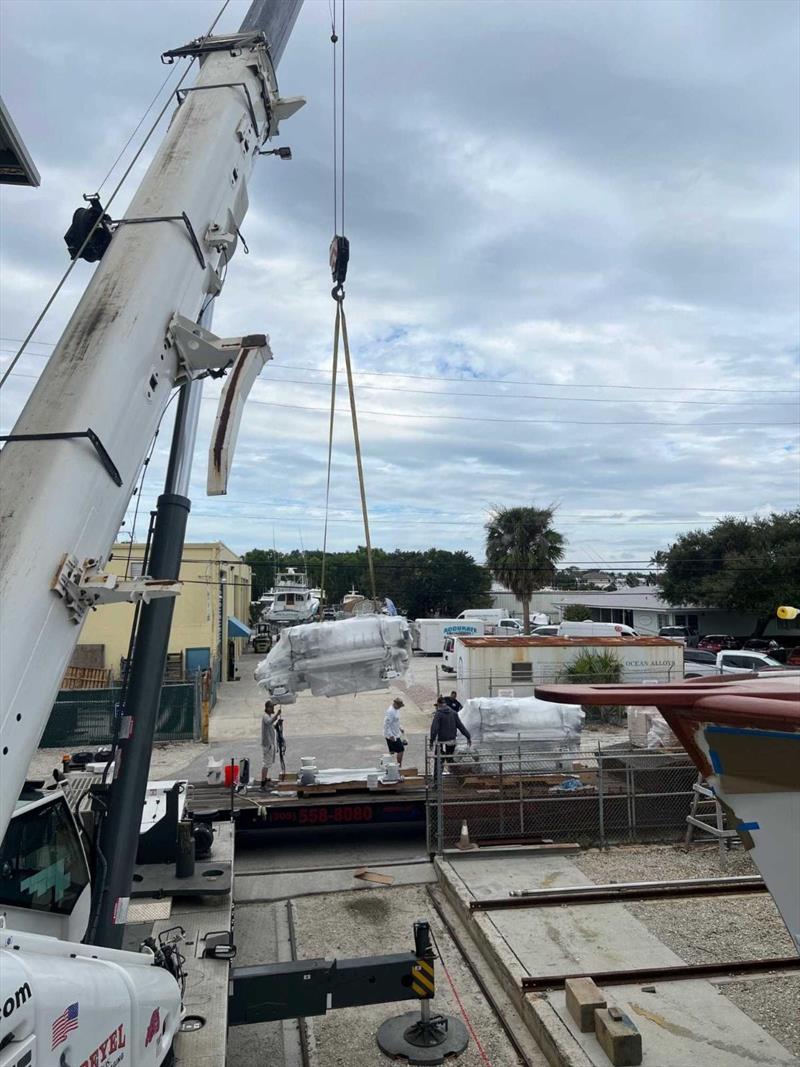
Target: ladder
{"points": [[706, 813]]}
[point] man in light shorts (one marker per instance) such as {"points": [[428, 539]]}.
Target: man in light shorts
{"points": [[393, 731]]}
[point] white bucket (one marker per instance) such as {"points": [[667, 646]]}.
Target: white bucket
{"points": [[214, 771]]}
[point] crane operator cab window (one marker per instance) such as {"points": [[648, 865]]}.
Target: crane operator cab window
{"points": [[42, 863]]}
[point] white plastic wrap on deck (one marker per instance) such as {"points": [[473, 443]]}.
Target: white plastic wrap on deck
{"points": [[537, 724], [335, 658]]}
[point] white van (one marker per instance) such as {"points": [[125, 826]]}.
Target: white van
{"points": [[595, 629], [493, 615]]}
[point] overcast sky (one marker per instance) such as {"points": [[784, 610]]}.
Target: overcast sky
{"points": [[574, 260]]}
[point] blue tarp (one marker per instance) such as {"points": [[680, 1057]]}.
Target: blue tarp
{"points": [[236, 628]]}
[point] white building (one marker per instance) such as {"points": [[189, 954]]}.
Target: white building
{"points": [[645, 610], [513, 666]]}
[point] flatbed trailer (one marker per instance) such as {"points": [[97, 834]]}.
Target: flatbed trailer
{"points": [[265, 812]]}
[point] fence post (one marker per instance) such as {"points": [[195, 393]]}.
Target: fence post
{"points": [[438, 689], [438, 778], [197, 721], [428, 819], [519, 783], [633, 802], [601, 796], [502, 793], [206, 691], [628, 787], [491, 693]]}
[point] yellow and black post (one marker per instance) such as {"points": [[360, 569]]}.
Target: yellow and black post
{"points": [[423, 1038], [423, 981]]}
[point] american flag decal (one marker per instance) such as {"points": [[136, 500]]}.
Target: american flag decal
{"points": [[64, 1025]]}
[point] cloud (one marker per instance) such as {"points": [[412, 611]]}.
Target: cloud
{"points": [[595, 204]]}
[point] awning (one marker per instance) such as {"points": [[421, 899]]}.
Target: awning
{"points": [[236, 628]]}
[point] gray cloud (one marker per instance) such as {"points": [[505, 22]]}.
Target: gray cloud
{"points": [[580, 194]]}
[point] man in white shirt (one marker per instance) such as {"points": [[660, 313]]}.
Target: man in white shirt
{"points": [[393, 731]]}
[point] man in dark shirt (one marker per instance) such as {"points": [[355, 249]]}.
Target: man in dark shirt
{"points": [[444, 727], [453, 702]]}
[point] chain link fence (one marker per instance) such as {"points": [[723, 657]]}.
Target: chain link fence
{"points": [[522, 679], [612, 795], [86, 717]]}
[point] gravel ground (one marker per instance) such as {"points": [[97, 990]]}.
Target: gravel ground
{"points": [[355, 924], [708, 930], [654, 863], [773, 1003]]}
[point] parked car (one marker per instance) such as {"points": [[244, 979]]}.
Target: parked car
{"points": [[545, 631], [728, 661], [698, 662], [677, 633], [717, 642], [769, 646]]}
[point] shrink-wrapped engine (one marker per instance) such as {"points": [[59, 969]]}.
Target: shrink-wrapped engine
{"points": [[525, 725], [335, 658]]}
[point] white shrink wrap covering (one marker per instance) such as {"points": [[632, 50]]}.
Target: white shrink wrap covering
{"points": [[506, 724], [335, 658], [647, 728]]}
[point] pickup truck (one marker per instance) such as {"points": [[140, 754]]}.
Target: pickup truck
{"points": [[697, 663]]}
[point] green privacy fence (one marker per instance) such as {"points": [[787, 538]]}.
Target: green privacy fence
{"points": [[85, 717]]}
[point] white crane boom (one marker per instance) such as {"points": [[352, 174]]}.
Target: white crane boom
{"points": [[67, 472], [113, 371]]}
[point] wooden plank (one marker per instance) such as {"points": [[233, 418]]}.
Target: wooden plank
{"points": [[366, 875]]}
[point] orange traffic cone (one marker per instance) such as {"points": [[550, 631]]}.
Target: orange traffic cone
{"points": [[464, 842]]}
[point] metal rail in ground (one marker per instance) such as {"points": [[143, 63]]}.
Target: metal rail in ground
{"points": [[623, 891], [676, 973], [512, 1032]]}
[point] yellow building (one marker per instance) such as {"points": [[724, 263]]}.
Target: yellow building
{"points": [[211, 619]]}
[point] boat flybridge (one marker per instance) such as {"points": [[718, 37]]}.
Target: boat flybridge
{"points": [[292, 599]]}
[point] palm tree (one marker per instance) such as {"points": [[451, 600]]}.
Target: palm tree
{"points": [[522, 550]]}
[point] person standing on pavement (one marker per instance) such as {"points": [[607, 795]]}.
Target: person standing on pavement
{"points": [[269, 740], [444, 727], [393, 731], [453, 702]]}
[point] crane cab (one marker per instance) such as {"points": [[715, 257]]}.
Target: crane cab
{"points": [[44, 876]]}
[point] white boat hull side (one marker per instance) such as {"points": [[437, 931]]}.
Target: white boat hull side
{"points": [[767, 813]]}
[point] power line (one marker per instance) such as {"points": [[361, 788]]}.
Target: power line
{"points": [[509, 396], [400, 521], [505, 381], [557, 422], [120, 183], [536, 396], [388, 564]]}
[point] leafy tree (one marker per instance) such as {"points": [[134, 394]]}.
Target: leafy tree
{"points": [[592, 668], [433, 582], [610, 588], [743, 565], [522, 550], [632, 581], [568, 578], [575, 612]]}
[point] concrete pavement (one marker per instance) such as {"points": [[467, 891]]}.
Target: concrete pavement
{"points": [[344, 731]]}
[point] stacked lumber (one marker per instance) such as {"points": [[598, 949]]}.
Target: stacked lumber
{"points": [[86, 678]]}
